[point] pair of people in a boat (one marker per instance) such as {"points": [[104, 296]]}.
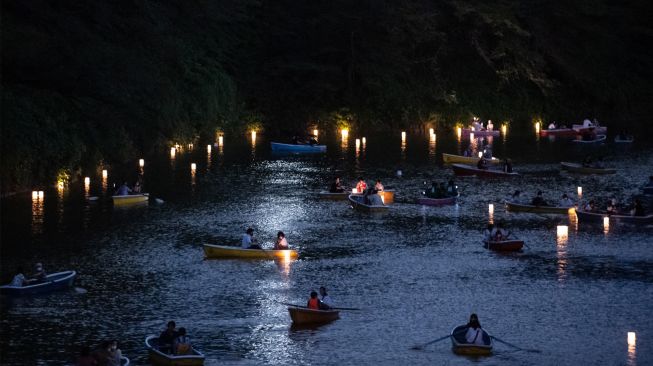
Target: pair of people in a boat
{"points": [[324, 302], [565, 201], [438, 190], [124, 189], [38, 276], [296, 140], [495, 233], [361, 186], [637, 208], [107, 354], [173, 341], [249, 242], [588, 162]]}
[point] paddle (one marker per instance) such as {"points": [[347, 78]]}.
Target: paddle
{"points": [[80, 290], [421, 346], [305, 307], [513, 346]]}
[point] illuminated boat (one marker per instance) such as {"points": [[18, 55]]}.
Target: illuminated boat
{"points": [[221, 251], [559, 132], [512, 245], [357, 202], [602, 130], [426, 201], [158, 358], [336, 196], [297, 148], [460, 346], [597, 217], [579, 168], [518, 207], [130, 199], [468, 170], [452, 159], [301, 315], [53, 282], [598, 140], [482, 133]]}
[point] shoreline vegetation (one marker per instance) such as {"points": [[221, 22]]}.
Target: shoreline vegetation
{"points": [[87, 84]]}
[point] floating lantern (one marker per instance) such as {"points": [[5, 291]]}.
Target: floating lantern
{"points": [[173, 152], [364, 140], [490, 208], [358, 144], [315, 132], [208, 148], [60, 185], [431, 131], [345, 133], [403, 136], [537, 127], [193, 167], [253, 135], [220, 140], [562, 230], [87, 180], [580, 191], [35, 195], [354, 191], [141, 162], [105, 173], [471, 136], [459, 131], [480, 154], [504, 129], [40, 194], [632, 339]]}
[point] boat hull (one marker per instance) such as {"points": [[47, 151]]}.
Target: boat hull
{"points": [[300, 149], [437, 201], [339, 196], [559, 132], [132, 199], [601, 130], [460, 347], [453, 159], [467, 170], [578, 168], [302, 316], [222, 251], [596, 217], [504, 245], [356, 202], [468, 131], [516, 207], [159, 358], [54, 282]]}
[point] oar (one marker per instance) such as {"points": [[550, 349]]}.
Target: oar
{"points": [[421, 346], [515, 347], [305, 307]]}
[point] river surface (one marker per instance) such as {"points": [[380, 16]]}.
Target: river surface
{"points": [[415, 272]]}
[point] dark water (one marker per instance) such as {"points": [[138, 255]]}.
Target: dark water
{"points": [[416, 272]]}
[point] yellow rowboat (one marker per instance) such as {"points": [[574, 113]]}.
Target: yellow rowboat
{"points": [[301, 315], [222, 251], [453, 159], [130, 199], [460, 346], [158, 358], [518, 207]]}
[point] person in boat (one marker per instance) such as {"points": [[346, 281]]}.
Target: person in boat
{"points": [[336, 186], [361, 186], [374, 198], [123, 190], [181, 345], [296, 140], [552, 125], [85, 357], [587, 162], [565, 201], [167, 337], [281, 243], [612, 208], [587, 123], [137, 187], [487, 151], [325, 298], [482, 164], [113, 354], [249, 242], [507, 166], [431, 192], [378, 185], [474, 334], [539, 200], [39, 274], [452, 189], [590, 206], [312, 140], [442, 191], [19, 279], [487, 234], [638, 209], [313, 301], [516, 197], [498, 233]]}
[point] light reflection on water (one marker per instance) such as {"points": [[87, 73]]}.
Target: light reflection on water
{"points": [[416, 272]]}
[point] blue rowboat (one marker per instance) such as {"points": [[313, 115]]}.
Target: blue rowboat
{"points": [[358, 203], [460, 346], [300, 149], [55, 281]]}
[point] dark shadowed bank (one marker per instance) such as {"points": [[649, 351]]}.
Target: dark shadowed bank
{"points": [[89, 83]]}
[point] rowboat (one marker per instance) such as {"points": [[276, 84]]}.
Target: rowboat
{"points": [[336, 196], [124, 361], [597, 217], [559, 132], [481, 133], [627, 140], [53, 282], [196, 358], [579, 168], [598, 129], [426, 201], [512, 245], [598, 140], [467, 170], [460, 346], [451, 159], [518, 207], [130, 199], [301, 315], [297, 148], [223, 251], [357, 203]]}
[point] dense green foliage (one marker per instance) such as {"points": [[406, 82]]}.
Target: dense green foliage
{"points": [[90, 81]]}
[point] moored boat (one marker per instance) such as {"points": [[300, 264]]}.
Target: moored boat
{"points": [[559, 132], [518, 207], [130, 199], [481, 133], [297, 148], [195, 358], [357, 202], [53, 282], [468, 170], [452, 159], [301, 315], [598, 140], [336, 196], [579, 168], [512, 245], [597, 217], [460, 346], [426, 201], [223, 251]]}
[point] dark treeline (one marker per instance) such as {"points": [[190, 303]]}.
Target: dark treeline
{"points": [[89, 82]]}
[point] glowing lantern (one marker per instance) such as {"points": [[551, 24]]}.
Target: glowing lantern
{"points": [[105, 173], [40, 194], [490, 208], [562, 230], [253, 135], [141, 162], [345, 133], [315, 132], [35, 195], [364, 140], [537, 127], [480, 154], [173, 152], [403, 136], [208, 148], [632, 338], [87, 181], [193, 167], [580, 191], [354, 191], [358, 143], [60, 185], [431, 131], [471, 136], [432, 138], [190, 146], [220, 140], [504, 129], [459, 131]]}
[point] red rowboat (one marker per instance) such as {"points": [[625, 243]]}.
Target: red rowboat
{"points": [[513, 245]]}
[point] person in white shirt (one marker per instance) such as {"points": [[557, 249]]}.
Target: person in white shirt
{"points": [[552, 125], [474, 333], [325, 298], [587, 123], [565, 201], [378, 186], [248, 240], [19, 279], [281, 243]]}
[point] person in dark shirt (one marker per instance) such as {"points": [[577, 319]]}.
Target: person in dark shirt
{"points": [[167, 337], [336, 186], [482, 164], [539, 200]]}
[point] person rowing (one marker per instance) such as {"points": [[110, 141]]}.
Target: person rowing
{"points": [[314, 303], [249, 242], [474, 334], [539, 200], [507, 166], [452, 188], [325, 298], [123, 190], [565, 201], [482, 164], [498, 233], [336, 186]]}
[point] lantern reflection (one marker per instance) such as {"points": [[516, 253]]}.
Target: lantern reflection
{"points": [[606, 224], [220, 141], [537, 128], [490, 211], [632, 344], [173, 152], [37, 211], [403, 136], [561, 251]]}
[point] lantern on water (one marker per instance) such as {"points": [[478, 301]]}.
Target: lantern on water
{"points": [[141, 162], [358, 143], [364, 140], [537, 127], [632, 338], [354, 191], [504, 129], [562, 230], [220, 140], [580, 191], [480, 154], [490, 208], [459, 131], [193, 167], [606, 222], [60, 185], [87, 180], [40, 194], [315, 132], [403, 136], [208, 148], [35, 195], [253, 135], [471, 136], [105, 173], [344, 133], [431, 131]]}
